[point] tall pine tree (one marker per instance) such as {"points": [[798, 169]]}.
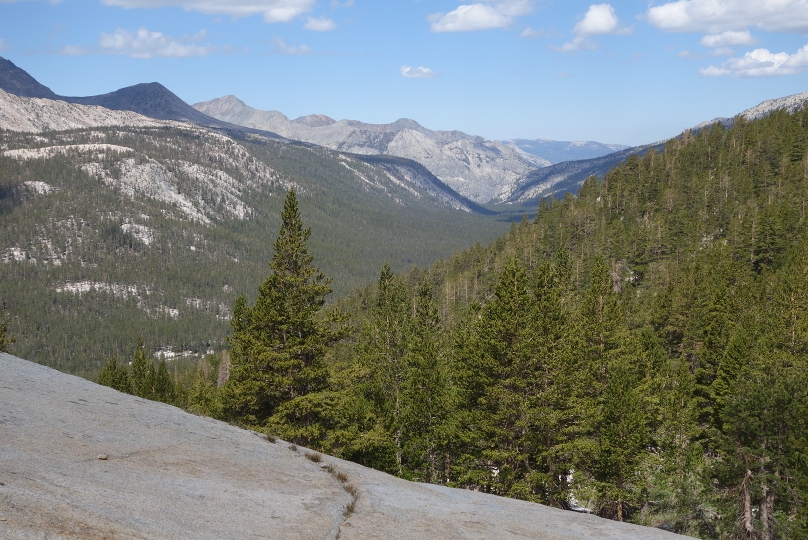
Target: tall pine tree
{"points": [[279, 343]]}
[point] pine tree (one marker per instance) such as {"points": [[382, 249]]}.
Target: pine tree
{"points": [[761, 468], [426, 394], [279, 343], [163, 384], [115, 376], [622, 441], [142, 375], [5, 341]]}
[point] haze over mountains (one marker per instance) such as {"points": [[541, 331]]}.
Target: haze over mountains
{"points": [[559, 151]]}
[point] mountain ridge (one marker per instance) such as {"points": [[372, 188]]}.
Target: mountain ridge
{"points": [[148, 99], [473, 166]]}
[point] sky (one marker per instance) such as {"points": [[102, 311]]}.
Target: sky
{"points": [[628, 72]]}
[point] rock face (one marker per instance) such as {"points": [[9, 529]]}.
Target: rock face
{"points": [[17, 81], [85, 461], [40, 114], [476, 168]]}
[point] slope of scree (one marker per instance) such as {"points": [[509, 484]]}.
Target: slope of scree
{"points": [[85, 461]]}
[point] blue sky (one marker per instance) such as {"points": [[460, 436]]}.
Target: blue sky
{"points": [[626, 72]]}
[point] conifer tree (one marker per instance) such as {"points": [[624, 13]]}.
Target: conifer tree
{"points": [[381, 352], [115, 376], [163, 384], [622, 441], [426, 394], [142, 375], [279, 343], [5, 341]]}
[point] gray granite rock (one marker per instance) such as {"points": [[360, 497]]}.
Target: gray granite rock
{"points": [[172, 475]]}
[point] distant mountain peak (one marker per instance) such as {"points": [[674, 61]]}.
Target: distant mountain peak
{"points": [[315, 120], [17, 81]]}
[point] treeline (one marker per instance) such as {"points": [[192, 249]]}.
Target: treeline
{"points": [[639, 351]]}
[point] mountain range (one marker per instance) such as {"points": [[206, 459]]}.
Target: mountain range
{"points": [[477, 168], [560, 151]]}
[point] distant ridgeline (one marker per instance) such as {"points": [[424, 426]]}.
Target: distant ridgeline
{"points": [[640, 351], [107, 233]]}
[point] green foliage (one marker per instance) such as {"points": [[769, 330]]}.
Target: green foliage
{"points": [[5, 340], [143, 373], [115, 376], [278, 344], [143, 380]]}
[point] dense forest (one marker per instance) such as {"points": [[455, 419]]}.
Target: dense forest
{"points": [[160, 237], [639, 351]]}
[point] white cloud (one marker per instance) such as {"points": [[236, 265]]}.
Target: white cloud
{"points": [[282, 48], [419, 72], [717, 16], [480, 16], [761, 63], [73, 50], [725, 39], [600, 19], [721, 51], [579, 43], [146, 44], [272, 10], [530, 33], [320, 25], [4, 45]]}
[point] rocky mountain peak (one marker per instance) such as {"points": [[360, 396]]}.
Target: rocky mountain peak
{"points": [[315, 120], [17, 81]]}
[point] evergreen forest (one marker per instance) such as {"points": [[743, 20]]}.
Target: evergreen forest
{"points": [[638, 351]]}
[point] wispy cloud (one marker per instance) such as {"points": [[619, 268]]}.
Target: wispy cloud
{"points": [[419, 72], [600, 19], [144, 44], [281, 47], [320, 25], [530, 33], [4, 45], [726, 39], [717, 16], [273, 10], [761, 63], [480, 16]]}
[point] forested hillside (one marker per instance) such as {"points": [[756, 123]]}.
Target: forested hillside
{"points": [[639, 351], [107, 233]]}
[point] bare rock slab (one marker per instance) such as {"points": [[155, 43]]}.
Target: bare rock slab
{"points": [[172, 475]]}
